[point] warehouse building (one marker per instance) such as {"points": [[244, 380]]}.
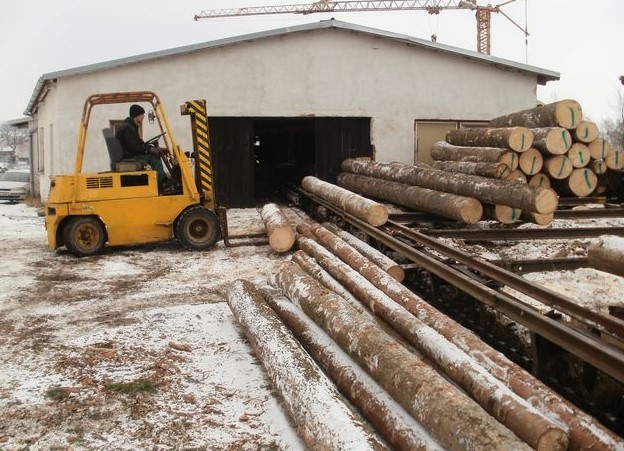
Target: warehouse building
{"points": [[291, 101]]}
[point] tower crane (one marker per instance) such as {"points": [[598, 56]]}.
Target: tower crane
{"points": [[483, 13]]}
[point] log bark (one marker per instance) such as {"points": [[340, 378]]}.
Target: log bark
{"points": [[386, 415], [599, 167], [599, 148], [531, 161], [607, 254], [552, 140], [537, 218], [517, 176], [377, 257], [492, 170], [585, 431], [540, 181], [558, 167], [365, 209], [449, 415], [515, 138], [501, 213], [615, 159], [564, 113], [443, 151], [322, 418], [585, 132], [579, 155], [522, 196], [452, 206], [281, 234]]}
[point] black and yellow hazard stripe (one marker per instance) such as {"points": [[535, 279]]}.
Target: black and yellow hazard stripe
{"points": [[201, 142]]}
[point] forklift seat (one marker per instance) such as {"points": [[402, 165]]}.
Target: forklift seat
{"points": [[115, 153]]}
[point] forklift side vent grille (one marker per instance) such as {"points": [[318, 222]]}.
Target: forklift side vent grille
{"points": [[99, 182]]}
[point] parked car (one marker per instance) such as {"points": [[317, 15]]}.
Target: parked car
{"points": [[14, 184]]}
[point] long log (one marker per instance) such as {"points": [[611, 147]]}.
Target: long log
{"points": [[531, 161], [579, 155], [599, 148], [585, 132], [483, 169], [322, 418], [552, 140], [581, 183], [373, 213], [377, 257], [564, 113], [615, 159], [383, 412], [585, 431], [607, 254], [515, 138], [522, 196], [489, 392], [281, 234], [455, 420], [558, 167], [443, 151], [452, 206]]}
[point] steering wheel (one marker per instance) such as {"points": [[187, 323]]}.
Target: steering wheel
{"points": [[151, 141]]}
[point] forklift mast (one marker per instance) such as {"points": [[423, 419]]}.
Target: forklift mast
{"points": [[204, 180]]}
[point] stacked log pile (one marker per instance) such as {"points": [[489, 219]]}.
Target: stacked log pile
{"points": [[416, 377]]}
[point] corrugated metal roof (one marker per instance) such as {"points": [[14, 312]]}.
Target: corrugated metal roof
{"points": [[543, 75]]}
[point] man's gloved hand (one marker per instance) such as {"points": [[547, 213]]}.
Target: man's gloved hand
{"points": [[157, 151]]}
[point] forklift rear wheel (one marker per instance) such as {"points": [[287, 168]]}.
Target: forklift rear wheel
{"points": [[84, 235], [198, 228]]}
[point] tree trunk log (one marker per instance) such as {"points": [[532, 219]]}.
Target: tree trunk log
{"points": [[537, 218], [380, 259], [524, 197], [540, 181], [517, 176], [599, 148], [552, 140], [558, 167], [281, 234], [599, 167], [579, 155], [501, 213], [585, 132], [447, 413], [452, 206], [515, 138], [492, 170], [443, 151], [531, 161], [565, 113], [607, 254], [615, 159], [365, 209], [581, 182], [322, 418], [585, 431], [383, 412]]}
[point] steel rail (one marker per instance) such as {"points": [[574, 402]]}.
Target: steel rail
{"points": [[524, 234], [539, 265], [616, 212], [608, 359]]}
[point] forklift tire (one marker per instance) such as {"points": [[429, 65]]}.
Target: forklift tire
{"points": [[198, 228], [84, 236]]}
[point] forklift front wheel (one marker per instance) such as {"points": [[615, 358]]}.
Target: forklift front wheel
{"points": [[198, 228], [84, 235]]}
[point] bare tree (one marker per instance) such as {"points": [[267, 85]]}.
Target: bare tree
{"points": [[11, 137], [613, 129]]}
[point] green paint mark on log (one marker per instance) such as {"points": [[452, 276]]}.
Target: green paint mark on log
{"points": [[586, 176], [533, 165], [572, 115], [565, 138], [515, 214]]}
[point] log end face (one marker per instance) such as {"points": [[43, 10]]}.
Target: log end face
{"points": [[520, 139], [282, 239], [546, 201], [377, 215], [397, 273], [471, 211], [553, 440], [568, 113]]}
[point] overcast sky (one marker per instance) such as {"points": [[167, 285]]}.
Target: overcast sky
{"points": [[582, 40]]}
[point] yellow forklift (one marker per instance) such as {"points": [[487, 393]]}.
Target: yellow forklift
{"points": [[123, 206]]}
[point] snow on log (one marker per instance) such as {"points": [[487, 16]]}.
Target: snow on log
{"points": [[564, 113], [322, 418], [581, 182], [540, 181], [443, 151], [615, 159], [599, 148], [384, 413], [502, 213], [607, 254], [585, 432], [484, 169], [515, 138], [530, 162], [585, 132], [281, 234], [579, 155], [377, 257], [492, 191], [558, 167], [455, 420], [447, 205], [552, 140], [373, 213]]}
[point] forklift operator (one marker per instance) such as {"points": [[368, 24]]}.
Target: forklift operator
{"points": [[135, 148]]}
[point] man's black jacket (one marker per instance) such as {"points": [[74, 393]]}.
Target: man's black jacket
{"points": [[131, 142]]}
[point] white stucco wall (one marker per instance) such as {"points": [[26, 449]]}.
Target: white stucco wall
{"points": [[327, 72]]}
